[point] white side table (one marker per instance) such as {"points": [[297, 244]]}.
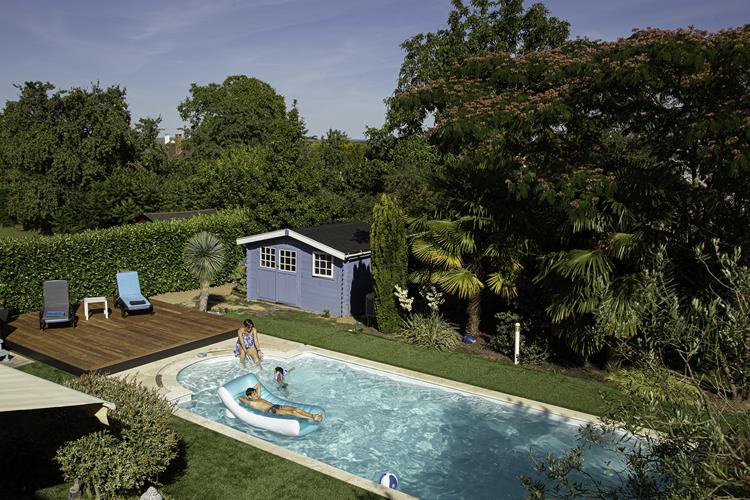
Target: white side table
{"points": [[95, 300]]}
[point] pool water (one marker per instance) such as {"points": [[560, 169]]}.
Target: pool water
{"points": [[440, 443]]}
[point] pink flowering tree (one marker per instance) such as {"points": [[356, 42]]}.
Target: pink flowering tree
{"points": [[593, 155]]}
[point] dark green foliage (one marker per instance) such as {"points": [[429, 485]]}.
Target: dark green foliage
{"points": [[475, 28], [132, 451], [701, 450], [90, 260], [533, 350], [241, 111], [635, 144], [70, 161], [35, 436], [54, 146], [407, 167], [239, 279], [204, 258], [389, 260]]}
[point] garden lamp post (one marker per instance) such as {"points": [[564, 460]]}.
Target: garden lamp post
{"points": [[517, 347]]}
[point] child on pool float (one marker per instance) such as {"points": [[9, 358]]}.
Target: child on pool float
{"points": [[254, 401]]}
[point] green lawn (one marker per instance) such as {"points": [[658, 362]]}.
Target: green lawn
{"points": [[15, 232], [558, 389]]}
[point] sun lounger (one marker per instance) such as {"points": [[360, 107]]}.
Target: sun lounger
{"points": [[57, 309], [129, 297]]}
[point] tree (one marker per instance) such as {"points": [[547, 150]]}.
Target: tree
{"points": [[606, 150], [463, 256], [150, 153], [475, 29], [70, 160], [406, 168], [54, 146], [204, 257], [241, 111], [389, 260], [702, 447]]}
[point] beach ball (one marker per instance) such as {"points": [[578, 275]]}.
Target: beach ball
{"points": [[389, 480]]}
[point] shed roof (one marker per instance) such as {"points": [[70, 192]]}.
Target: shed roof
{"points": [[154, 216], [340, 240]]}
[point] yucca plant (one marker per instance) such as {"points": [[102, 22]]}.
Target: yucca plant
{"points": [[429, 330], [204, 257]]}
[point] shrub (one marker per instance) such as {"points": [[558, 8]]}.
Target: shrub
{"points": [[701, 449], [91, 259], [133, 451], [239, 279], [533, 350], [389, 260], [429, 330]]}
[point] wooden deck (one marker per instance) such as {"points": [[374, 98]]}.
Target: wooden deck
{"points": [[116, 344]]}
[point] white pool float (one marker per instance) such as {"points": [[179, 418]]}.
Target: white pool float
{"points": [[282, 424]]}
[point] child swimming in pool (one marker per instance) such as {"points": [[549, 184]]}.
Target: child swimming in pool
{"points": [[280, 374]]}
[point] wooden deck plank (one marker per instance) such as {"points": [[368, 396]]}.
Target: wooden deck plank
{"points": [[118, 343]]}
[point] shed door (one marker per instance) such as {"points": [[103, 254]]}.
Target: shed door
{"points": [[287, 278]]}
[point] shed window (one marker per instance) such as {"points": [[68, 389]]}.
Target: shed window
{"points": [[322, 265], [268, 257], [288, 260]]}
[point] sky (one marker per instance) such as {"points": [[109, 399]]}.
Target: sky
{"points": [[338, 58]]}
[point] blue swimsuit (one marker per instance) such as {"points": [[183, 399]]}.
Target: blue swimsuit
{"points": [[248, 340]]}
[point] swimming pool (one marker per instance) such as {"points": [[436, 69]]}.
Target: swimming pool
{"points": [[439, 442]]}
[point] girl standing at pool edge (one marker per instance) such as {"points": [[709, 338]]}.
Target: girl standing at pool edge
{"points": [[247, 343]]}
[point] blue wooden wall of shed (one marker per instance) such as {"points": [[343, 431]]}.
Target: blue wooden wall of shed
{"points": [[357, 284], [342, 294]]}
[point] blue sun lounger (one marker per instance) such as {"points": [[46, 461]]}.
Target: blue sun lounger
{"points": [[57, 308], [129, 297]]}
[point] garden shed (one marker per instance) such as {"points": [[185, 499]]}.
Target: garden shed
{"points": [[319, 269]]}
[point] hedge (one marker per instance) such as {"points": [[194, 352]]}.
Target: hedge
{"points": [[90, 260]]}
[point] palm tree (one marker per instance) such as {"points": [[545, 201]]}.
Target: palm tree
{"points": [[465, 255], [204, 257], [597, 281]]}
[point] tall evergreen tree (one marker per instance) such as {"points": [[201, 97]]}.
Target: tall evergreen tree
{"points": [[389, 259]]}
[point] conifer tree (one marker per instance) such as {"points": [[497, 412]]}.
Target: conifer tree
{"points": [[389, 259]]}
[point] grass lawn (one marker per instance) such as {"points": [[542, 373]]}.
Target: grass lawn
{"points": [[554, 388], [213, 466], [15, 232]]}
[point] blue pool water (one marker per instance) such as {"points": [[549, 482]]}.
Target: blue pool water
{"points": [[440, 443]]}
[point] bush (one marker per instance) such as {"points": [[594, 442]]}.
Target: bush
{"points": [[90, 260], [429, 330], [239, 280], [700, 451], [533, 350], [133, 451]]}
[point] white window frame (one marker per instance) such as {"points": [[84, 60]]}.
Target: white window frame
{"points": [[290, 257], [267, 254], [326, 256]]}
